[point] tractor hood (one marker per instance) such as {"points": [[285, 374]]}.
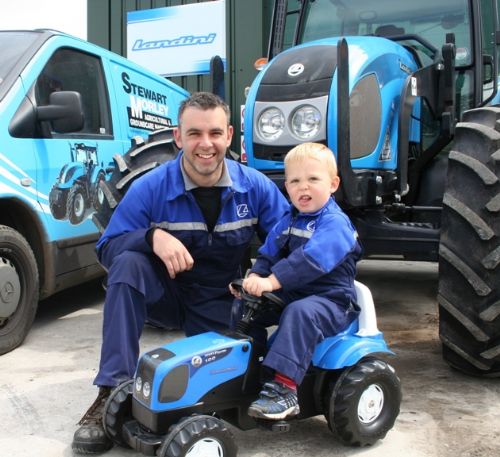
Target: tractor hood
{"points": [[294, 99], [307, 71], [304, 72]]}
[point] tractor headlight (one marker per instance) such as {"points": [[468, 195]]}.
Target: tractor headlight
{"points": [[138, 384], [271, 124], [306, 122]]}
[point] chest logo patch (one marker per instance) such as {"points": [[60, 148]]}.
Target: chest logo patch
{"points": [[242, 210], [311, 226]]}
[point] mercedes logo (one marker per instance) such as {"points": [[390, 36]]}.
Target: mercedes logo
{"points": [[296, 69]]}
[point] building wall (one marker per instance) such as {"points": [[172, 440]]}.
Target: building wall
{"points": [[247, 33]]}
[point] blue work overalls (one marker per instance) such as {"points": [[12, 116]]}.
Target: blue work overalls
{"points": [[314, 258], [138, 284]]}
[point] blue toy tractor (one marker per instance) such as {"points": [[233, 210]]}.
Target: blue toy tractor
{"points": [[184, 392]]}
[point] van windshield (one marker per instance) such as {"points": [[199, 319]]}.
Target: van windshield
{"points": [[14, 45]]}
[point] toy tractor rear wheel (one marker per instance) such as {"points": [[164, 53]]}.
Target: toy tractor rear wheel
{"points": [[469, 253], [363, 403], [117, 411], [143, 156], [199, 436]]}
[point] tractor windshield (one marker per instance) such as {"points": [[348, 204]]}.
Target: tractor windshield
{"points": [[429, 20], [421, 26]]}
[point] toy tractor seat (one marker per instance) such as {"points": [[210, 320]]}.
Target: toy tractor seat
{"points": [[361, 338], [367, 320]]}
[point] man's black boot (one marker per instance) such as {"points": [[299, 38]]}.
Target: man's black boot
{"points": [[90, 438]]}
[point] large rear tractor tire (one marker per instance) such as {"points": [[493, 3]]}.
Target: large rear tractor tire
{"points": [[469, 253], [143, 156]]}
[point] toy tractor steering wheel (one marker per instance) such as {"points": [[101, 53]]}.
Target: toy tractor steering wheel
{"points": [[271, 298]]}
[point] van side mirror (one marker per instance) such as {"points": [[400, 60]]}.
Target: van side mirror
{"points": [[64, 111]]}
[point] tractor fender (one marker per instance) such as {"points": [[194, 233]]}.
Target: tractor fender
{"points": [[344, 350], [95, 174], [70, 173]]}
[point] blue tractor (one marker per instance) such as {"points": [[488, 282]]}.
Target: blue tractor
{"points": [[78, 186], [185, 393], [404, 93]]}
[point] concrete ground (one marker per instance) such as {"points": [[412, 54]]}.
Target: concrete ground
{"points": [[46, 384]]}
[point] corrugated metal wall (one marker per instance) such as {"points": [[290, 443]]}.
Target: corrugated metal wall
{"points": [[247, 29]]}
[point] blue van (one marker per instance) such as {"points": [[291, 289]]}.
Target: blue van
{"points": [[66, 108]]}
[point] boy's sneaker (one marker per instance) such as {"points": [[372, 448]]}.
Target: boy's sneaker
{"points": [[91, 438], [275, 402]]}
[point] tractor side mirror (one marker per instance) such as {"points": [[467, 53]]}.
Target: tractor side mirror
{"points": [[487, 69]]}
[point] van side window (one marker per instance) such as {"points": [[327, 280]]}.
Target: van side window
{"points": [[71, 70]]}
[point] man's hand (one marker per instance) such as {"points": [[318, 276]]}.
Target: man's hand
{"points": [[172, 252]]}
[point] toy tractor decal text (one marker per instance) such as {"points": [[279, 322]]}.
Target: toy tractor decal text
{"points": [[76, 193], [148, 109]]}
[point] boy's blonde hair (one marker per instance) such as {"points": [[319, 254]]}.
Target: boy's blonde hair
{"points": [[316, 151]]}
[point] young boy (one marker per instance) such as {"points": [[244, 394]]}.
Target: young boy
{"points": [[309, 258]]}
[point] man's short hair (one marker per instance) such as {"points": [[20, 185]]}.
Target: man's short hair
{"points": [[203, 101], [316, 151]]}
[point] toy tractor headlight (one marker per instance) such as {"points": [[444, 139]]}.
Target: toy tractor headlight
{"points": [[271, 124], [138, 384], [146, 389], [306, 122]]}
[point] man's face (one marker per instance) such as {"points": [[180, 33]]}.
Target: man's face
{"points": [[204, 136]]}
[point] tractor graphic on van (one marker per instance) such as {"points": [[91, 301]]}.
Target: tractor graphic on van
{"points": [[77, 191]]}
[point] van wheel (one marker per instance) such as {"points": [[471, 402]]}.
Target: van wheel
{"points": [[18, 288], [469, 251], [76, 204]]}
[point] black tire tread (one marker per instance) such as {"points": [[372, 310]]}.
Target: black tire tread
{"points": [[116, 409], [189, 428], [469, 252], [343, 393], [14, 331], [142, 157]]}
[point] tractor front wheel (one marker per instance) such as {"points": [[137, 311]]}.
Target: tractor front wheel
{"points": [[76, 204], [117, 411], [199, 436]]}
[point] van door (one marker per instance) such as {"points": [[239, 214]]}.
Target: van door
{"points": [[71, 165]]}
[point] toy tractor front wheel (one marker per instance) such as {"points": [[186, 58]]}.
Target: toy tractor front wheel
{"points": [[199, 436], [117, 411], [363, 403]]}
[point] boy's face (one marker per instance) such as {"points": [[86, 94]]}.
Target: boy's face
{"points": [[309, 184]]}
